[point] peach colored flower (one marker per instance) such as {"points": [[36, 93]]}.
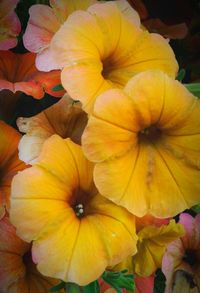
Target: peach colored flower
{"points": [[74, 229], [64, 118], [19, 74], [145, 141], [10, 26], [181, 261], [43, 23], [9, 163], [102, 48], [18, 273]]}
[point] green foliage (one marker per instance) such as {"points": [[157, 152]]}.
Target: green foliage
{"points": [[73, 288], [181, 74], [58, 287], [92, 287], [159, 282], [194, 88], [196, 208], [58, 88], [119, 280]]}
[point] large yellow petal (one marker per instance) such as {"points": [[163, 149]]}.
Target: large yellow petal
{"points": [[78, 40], [185, 172], [180, 110], [87, 75], [113, 129], [54, 248], [147, 91], [101, 206], [36, 199], [139, 191], [102, 140], [63, 167]]}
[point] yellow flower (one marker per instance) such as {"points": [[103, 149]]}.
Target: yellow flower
{"points": [[65, 118], [102, 48], [145, 142], [76, 232], [153, 237], [152, 242]]}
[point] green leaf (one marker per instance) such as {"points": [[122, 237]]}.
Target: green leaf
{"points": [[181, 75], [159, 283], [72, 288], [91, 288], [58, 287], [58, 88], [194, 88], [196, 208], [119, 280]]}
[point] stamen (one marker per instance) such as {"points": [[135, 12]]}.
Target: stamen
{"points": [[79, 211]]}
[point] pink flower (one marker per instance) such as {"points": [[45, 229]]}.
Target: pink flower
{"points": [[43, 23], [181, 261], [9, 24]]}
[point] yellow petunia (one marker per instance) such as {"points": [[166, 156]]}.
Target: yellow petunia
{"points": [[153, 237], [145, 141], [152, 242], [104, 47], [76, 232]]}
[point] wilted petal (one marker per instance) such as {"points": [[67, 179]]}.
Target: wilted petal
{"points": [[65, 118], [152, 243]]}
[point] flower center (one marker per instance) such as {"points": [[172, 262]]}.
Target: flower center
{"points": [[27, 258], [79, 211], [79, 202], [190, 257], [151, 133], [108, 66]]}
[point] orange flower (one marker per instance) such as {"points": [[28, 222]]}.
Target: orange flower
{"points": [[151, 133], [64, 118], [102, 48], [19, 74], [18, 273], [76, 232], [10, 26], [9, 163]]}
